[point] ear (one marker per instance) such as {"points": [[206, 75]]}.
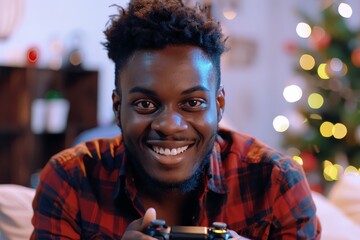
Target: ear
{"points": [[220, 102], [116, 98]]}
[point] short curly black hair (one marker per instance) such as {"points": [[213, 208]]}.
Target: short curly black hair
{"points": [[155, 24]]}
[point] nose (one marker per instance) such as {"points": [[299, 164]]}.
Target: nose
{"points": [[169, 122]]}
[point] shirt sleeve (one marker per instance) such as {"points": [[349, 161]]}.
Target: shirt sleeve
{"points": [[55, 205], [294, 209]]}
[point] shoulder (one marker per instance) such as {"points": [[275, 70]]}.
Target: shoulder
{"points": [[250, 153], [86, 158]]}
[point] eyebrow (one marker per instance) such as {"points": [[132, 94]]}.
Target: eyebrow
{"points": [[151, 92], [142, 90], [194, 89]]}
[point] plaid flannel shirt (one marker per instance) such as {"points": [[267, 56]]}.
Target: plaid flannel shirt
{"points": [[87, 192]]}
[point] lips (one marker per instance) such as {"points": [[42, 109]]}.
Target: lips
{"points": [[169, 152]]}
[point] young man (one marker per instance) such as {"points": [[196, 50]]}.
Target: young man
{"points": [[172, 161]]}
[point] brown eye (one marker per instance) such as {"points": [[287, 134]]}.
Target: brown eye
{"points": [[194, 103], [145, 104]]}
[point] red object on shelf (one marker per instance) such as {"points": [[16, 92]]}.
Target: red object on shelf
{"points": [[32, 55]]}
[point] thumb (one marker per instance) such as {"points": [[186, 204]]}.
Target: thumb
{"points": [[150, 215]]}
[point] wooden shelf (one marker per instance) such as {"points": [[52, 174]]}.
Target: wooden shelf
{"points": [[23, 152]]}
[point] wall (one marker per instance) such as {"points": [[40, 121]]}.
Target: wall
{"points": [[253, 90]]}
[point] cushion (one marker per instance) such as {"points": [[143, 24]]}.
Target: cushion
{"points": [[345, 194], [334, 222], [15, 211]]}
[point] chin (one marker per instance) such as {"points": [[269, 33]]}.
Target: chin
{"points": [[171, 184]]}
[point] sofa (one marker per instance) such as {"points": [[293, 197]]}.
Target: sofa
{"points": [[339, 211]]}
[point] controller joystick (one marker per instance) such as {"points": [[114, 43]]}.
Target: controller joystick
{"points": [[159, 230]]}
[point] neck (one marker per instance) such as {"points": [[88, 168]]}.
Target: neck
{"points": [[173, 206]]}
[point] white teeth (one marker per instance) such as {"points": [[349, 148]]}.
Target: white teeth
{"points": [[168, 151]]}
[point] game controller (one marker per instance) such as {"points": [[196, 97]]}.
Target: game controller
{"points": [[159, 230]]}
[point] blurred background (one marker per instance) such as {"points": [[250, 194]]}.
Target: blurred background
{"points": [[291, 78]]}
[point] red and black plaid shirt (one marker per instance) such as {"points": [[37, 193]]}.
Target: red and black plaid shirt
{"points": [[86, 193]]}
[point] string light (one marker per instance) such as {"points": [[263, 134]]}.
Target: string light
{"points": [[326, 129], [345, 10], [229, 15], [332, 172], [351, 170], [315, 116], [303, 30], [281, 123], [307, 62], [298, 159], [322, 71], [315, 101], [292, 93], [339, 131]]}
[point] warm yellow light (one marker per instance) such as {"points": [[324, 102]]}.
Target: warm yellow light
{"points": [[229, 15], [332, 172], [292, 93], [315, 100], [351, 170], [281, 123], [303, 30], [307, 62], [327, 163], [345, 69], [326, 129], [298, 159], [339, 131], [315, 116], [322, 71], [345, 10]]}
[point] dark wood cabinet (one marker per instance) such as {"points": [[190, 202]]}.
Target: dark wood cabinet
{"points": [[23, 152]]}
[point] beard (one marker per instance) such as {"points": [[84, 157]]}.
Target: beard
{"points": [[186, 186]]}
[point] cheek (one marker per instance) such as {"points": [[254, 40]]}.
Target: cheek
{"points": [[208, 121], [132, 124]]}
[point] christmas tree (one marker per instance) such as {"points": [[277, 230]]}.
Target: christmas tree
{"points": [[328, 140]]}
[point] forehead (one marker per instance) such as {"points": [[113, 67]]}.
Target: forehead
{"points": [[174, 64]]}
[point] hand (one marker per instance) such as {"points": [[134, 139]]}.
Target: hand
{"points": [[235, 236], [136, 228]]}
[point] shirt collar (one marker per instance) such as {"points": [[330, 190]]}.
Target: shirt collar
{"points": [[216, 182]]}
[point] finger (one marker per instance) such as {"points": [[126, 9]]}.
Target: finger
{"points": [[235, 236], [150, 215]]}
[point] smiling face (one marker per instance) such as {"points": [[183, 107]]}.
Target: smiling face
{"points": [[169, 105]]}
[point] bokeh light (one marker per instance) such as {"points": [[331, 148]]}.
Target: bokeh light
{"points": [[315, 116], [281, 123], [345, 10], [303, 30], [332, 172], [336, 65], [351, 170], [229, 15], [355, 57], [326, 129], [339, 131], [322, 71], [315, 100], [307, 62], [298, 159], [292, 93]]}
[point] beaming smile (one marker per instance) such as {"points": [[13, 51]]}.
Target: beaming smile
{"points": [[169, 151]]}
